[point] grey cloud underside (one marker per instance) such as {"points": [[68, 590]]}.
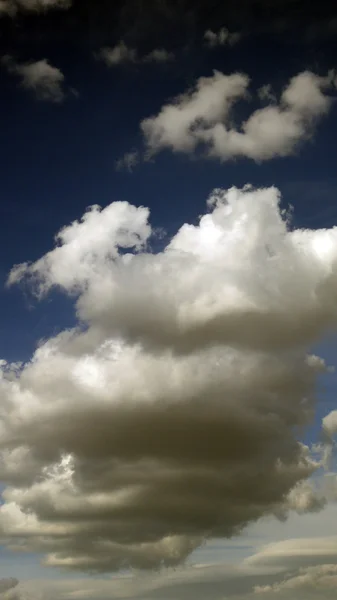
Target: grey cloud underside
{"points": [[130, 440]]}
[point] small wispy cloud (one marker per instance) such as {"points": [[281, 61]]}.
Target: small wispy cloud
{"points": [[265, 93], [221, 38], [128, 161], [117, 55], [158, 55], [121, 54], [39, 77]]}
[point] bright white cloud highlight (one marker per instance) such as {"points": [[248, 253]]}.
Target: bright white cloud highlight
{"points": [[202, 118], [170, 415]]}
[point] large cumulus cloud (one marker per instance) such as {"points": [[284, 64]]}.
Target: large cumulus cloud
{"points": [[172, 412]]}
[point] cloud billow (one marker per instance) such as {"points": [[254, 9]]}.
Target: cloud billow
{"points": [[171, 414]]}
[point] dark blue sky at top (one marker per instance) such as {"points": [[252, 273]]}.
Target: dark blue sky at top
{"points": [[56, 160]]}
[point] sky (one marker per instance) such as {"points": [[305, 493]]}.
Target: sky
{"points": [[168, 299]]}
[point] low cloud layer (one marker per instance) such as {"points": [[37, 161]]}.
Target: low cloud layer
{"points": [[122, 54], [39, 77], [281, 571], [171, 414], [203, 118]]}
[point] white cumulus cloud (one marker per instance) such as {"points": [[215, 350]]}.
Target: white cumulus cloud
{"points": [[202, 118]]}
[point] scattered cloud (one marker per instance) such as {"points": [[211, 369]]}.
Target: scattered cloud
{"points": [[11, 7], [158, 55], [202, 117], [166, 417], [221, 38], [39, 77], [118, 54], [266, 93], [121, 54], [128, 161]]}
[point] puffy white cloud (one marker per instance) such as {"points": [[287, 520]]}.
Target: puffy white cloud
{"points": [[202, 289], [202, 117], [11, 7], [177, 124], [169, 415], [40, 77], [330, 423], [221, 38], [121, 54]]}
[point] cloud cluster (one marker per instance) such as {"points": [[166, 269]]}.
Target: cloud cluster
{"points": [[40, 77], [171, 413], [203, 118], [11, 7], [121, 54], [221, 38]]}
